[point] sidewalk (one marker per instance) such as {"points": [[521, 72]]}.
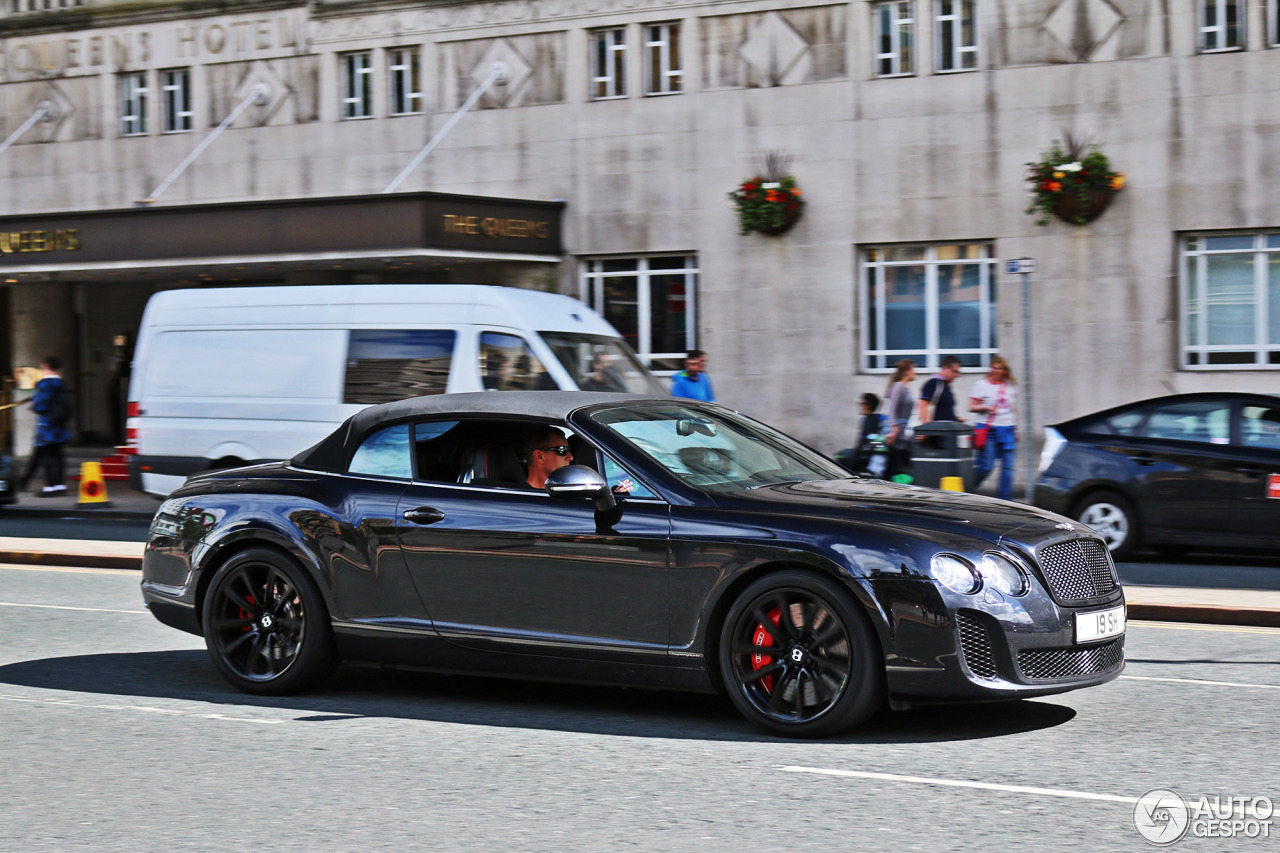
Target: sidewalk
{"points": [[124, 502]]}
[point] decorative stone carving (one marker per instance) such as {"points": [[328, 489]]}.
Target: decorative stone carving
{"points": [[1086, 29]]}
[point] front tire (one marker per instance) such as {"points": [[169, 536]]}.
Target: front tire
{"points": [[266, 626], [799, 659], [1111, 516]]}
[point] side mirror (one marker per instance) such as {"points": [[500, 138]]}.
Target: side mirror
{"points": [[579, 481]]}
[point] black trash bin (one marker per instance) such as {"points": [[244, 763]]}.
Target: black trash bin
{"points": [[942, 449]]}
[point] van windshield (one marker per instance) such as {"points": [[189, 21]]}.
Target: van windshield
{"points": [[602, 363]]}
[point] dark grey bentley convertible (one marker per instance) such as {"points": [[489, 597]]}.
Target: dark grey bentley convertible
{"points": [[674, 544]]}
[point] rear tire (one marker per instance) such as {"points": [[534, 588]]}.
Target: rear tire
{"points": [[1111, 516], [799, 658], [266, 625]]}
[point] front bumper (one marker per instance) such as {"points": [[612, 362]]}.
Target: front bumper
{"points": [[949, 647]]}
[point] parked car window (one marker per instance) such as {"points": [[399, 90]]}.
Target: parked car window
{"points": [[1260, 427], [508, 364], [1207, 422], [384, 365], [1122, 424], [384, 454], [717, 452]]}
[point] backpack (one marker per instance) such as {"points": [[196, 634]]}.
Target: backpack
{"points": [[58, 412]]}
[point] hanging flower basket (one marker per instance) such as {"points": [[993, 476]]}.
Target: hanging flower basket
{"points": [[767, 206], [769, 202], [1073, 182]]}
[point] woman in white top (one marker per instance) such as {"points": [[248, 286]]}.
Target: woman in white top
{"points": [[994, 398]]}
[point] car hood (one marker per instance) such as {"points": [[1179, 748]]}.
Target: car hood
{"points": [[882, 503]]}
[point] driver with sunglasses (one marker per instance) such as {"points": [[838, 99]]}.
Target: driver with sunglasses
{"points": [[545, 451]]}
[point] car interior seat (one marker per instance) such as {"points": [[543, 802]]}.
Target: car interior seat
{"points": [[493, 463]]}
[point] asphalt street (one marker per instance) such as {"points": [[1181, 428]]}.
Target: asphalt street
{"points": [[119, 735]]}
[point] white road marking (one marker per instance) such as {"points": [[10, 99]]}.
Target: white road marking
{"points": [[65, 607], [1199, 681], [147, 709], [961, 783]]}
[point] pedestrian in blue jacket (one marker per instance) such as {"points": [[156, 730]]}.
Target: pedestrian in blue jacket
{"points": [[52, 405], [693, 382]]}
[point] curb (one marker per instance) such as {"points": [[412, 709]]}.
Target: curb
{"points": [[91, 561], [109, 514], [1209, 614]]}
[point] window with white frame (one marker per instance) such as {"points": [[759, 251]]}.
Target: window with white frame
{"points": [[650, 300], [663, 72], [1231, 300], [894, 38], [175, 99], [404, 67], [357, 84], [924, 302], [608, 63], [1221, 25], [957, 35], [133, 103]]}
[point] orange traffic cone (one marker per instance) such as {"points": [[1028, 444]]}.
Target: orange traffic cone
{"points": [[93, 488]]}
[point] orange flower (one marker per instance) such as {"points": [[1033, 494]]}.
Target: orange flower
{"points": [[795, 191], [1053, 186], [1117, 181]]}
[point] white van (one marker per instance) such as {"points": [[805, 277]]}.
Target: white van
{"points": [[226, 376]]}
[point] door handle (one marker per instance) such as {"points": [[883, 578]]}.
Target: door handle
{"points": [[1143, 460], [423, 515]]}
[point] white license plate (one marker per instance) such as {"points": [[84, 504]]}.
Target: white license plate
{"points": [[1099, 624]]}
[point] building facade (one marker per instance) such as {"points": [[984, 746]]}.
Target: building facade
{"points": [[907, 125]]}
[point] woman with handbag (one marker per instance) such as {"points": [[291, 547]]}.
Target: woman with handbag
{"points": [[996, 435], [899, 402]]}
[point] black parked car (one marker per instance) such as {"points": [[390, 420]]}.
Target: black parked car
{"points": [[1174, 473], [740, 560]]}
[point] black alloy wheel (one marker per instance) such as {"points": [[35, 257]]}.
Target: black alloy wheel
{"points": [[799, 659], [266, 625]]}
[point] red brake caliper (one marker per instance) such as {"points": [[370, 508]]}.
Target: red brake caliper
{"points": [[243, 615], [761, 637]]}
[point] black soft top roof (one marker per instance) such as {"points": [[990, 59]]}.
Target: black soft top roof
{"points": [[333, 452]]}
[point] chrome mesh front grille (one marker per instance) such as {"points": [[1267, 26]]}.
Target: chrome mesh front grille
{"points": [[1051, 664], [975, 644], [1078, 570]]}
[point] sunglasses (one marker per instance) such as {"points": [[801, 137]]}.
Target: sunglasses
{"points": [[558, 450]]}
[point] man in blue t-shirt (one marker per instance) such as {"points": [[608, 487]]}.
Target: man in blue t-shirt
{"points": [[693, 382], [937, 393]]}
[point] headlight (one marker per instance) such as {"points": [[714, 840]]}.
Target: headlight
{"points": [[955, 574], [1003, 574]]}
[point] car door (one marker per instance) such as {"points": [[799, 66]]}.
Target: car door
{"points": [[513, 569], [1257, 521], [1186, 470]]}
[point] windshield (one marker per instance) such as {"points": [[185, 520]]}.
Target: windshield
{"points": [[716, 451], [602, 363]]}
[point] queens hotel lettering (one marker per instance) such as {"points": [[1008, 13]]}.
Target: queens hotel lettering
{"points": [[223, 38], [63, 240]]}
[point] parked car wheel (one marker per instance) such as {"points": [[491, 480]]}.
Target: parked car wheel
{"points": [[799, 659], [1111, 516], [266, 625]]}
